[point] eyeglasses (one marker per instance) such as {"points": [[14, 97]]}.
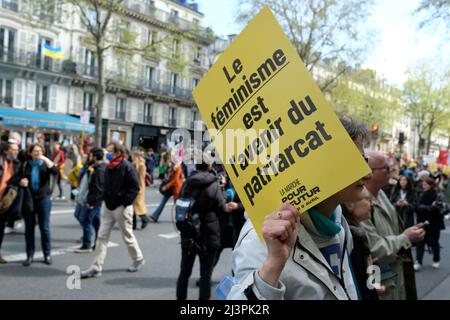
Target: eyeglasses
{"points": [[386, 167]]}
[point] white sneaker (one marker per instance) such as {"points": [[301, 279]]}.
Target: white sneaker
{"points": [[136, 266], [92, 272], [9, 230], [417, 266], [435, 265]]}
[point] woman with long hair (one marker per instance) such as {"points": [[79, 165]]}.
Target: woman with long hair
{"points": [[404, 198], [38, 171], [139, 207]]}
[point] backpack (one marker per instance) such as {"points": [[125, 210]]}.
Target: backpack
{"points": [[187, 220]]}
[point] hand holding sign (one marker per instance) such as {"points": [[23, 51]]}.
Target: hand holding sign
{"points": [[280, 234]]}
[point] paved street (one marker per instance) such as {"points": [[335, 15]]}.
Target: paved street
{"points": [[157, 279]]}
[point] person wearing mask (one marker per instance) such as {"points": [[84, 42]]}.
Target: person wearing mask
{"points": [[209, 202], [404, 198], [388, 240], [428, 210], [139, 207], [121, 188], [93, 198], [9, 177], [303, 257], [37, 173], [174, 185], [354, 213], [59, 159]]}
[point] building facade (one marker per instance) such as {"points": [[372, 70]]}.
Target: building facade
{"points": [[158, 54]]}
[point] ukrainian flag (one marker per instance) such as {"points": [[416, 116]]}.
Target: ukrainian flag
{"points": [[55, 53]]}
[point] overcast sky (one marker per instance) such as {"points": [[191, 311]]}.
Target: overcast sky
{"points": [[399, 43]]}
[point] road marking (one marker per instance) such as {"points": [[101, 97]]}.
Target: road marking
{"points": [[56, 212], [57, 252], [171, 235]]}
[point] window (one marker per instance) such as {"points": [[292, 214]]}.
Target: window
{"points": [[91, 16], [172, 117], [89, 63], [152, 39], [10, 5], [7, 39], [175, 48], [42, 97], [194, 117], [196, 21], [197, 55], [148, 113], [42, 61], [120, 109], [124, 32], [149, 73], [195, 82], [173, 82], [88, 102], [47, 11], [6, 92], [174, 13]]}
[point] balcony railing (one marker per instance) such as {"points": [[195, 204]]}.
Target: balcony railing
{"points": [[10, 5], [42, 106], [148, 119], [6, 101], [120, 115], [154, 87], [172, 122], [167, 18], [30, 59]]}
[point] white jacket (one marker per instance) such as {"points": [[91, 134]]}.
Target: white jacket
{"points": [[306, 275]]}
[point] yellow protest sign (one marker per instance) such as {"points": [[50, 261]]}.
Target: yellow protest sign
{"points": [[278, 138]]}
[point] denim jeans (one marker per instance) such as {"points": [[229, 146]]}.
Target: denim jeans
{"points": [[91, 219], [79, 214], [160, 209], [42, 208]]}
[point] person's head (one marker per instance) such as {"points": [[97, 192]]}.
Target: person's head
{"points": [[116, 149], [57, 146], [4, 139], [380, 171], [405, 183], [422, 175], [358, 133], [359, 210], [16, 137], [150, 151], [97, 154], [12, 150], [137, 155], [428, 184], [203, 167], [36, 150]]}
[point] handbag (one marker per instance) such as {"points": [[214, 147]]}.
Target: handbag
{"points": [[22, 205], [8, 199], [168, 192], [148, 180]]}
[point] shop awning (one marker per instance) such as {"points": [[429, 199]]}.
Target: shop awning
{"points": [[38, 119]]}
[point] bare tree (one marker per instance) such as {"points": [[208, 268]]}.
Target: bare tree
{"points": [[321, 30], [436, 11], [96, 16]]}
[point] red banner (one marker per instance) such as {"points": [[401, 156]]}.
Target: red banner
{"points": [[443, 157]]}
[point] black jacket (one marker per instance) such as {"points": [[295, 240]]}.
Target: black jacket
{"points": [[359, 257], [44, 180], [427, 211], [406, 212], [121, 186], [209, 203], [96, 185]]}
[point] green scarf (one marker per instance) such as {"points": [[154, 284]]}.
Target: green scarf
{"points": [[326, 227]]}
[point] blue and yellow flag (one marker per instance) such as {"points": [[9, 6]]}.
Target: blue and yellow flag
{"points": [[55, 53]]}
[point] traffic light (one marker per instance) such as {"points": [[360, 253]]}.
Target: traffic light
{"points": [[375, 131], [401, 138]]}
